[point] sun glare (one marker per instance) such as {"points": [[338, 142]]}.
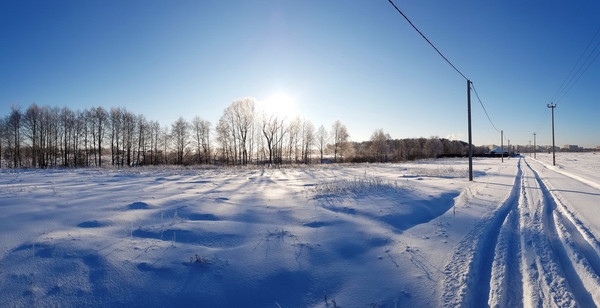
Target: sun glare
{"points": [[281, 104]]}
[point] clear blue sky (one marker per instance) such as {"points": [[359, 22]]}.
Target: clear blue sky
{"points": [[356, 61]]}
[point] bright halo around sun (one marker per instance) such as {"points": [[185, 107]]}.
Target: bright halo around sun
{"points": [[280, 104]]}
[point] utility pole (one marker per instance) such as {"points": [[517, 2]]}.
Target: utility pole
{"points": [[552, 106], [534, 147], [508, 149], [470, 136], [529, 148], [502, 144]]}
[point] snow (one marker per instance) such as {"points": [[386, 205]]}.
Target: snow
{"points": [[523, 233]]}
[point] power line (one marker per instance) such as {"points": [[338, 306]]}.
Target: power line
{"points": [[428, 41], [504, 137], [581, 72], [578, 70], [484, 110]]}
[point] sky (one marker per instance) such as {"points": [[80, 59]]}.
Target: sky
{"points": [[359, 62]]}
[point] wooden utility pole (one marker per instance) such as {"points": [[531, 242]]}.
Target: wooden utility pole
{"points": [[502, 144], [470, 136], [534, 147], [552, 106]]}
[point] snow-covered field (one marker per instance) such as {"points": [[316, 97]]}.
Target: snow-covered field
{"points": [[523, 233]]}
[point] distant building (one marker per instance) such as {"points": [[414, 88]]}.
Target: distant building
{"points": [[490, 147], [499, 151], [571, 147]]}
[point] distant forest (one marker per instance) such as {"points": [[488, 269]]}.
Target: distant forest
{"points": [[50, 137]]}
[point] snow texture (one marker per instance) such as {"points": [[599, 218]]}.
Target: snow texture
{"points": [[524, 233]]}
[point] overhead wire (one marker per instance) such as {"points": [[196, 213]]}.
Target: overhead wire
{"points": [[482, 106], [578, 69], [581, 74], [427, 40], [446, 59], [504, 135]]}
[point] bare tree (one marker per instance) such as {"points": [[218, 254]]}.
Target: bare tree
{"points": [[201, 132], [79, 136], [115, 134], [224, 138], [261, 150], [279, 141], [379, 145], [273, 132], [165, 136], [99, 121], [14, 131], [322, 137], [433, 147], [129, 134], [154, 128], [143, 133], [49, 136], [197, 133], [294, 130], [228, 132], [236, 127], [66, 129], [31, 123], [243, 119], [308, 140], [180, 131], [205, 127], [89, 136], [340, 137]]}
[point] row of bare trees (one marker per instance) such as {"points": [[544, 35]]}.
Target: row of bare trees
{"points": [[42, 137], [382, 148], [247, 135]]}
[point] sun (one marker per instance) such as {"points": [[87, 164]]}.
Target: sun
{"points": [[280, 104]]}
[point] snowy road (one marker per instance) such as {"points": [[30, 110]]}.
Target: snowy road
{"points": [[535, 250]]}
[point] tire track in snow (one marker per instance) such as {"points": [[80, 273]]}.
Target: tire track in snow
{"points": [[577, 287], [531, 231], [507, 261], [501, 224], [489, 265], [476, 255], [581, 235], [582, 245]]}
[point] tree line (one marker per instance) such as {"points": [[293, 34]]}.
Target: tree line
{"points": [[45, 137]]}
